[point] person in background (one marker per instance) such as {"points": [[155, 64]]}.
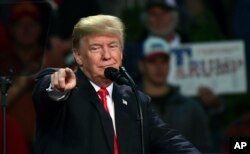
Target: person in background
{"points": [[24, 57], [161, 19], [215, 106], [15, 138], [26, 34], [180, 112]]}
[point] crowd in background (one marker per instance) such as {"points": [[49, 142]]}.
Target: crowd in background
{"points": [[36, 35]]}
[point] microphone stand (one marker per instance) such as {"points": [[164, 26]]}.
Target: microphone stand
{"points": [[5, 82], [139, 107]]}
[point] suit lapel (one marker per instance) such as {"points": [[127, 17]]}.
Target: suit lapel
{"points": [[121, 120], [90, 94]]}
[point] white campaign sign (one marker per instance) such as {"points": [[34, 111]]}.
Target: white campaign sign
{"points": [[218, 65]]}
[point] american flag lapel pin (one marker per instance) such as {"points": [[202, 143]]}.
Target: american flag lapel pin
{"points": [[124, 102]]}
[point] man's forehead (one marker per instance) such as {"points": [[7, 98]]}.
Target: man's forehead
{"points": [[157, 9], [157, 58], [100, 38]]}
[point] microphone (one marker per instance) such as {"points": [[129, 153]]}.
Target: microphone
{"points": [[114, 75]]}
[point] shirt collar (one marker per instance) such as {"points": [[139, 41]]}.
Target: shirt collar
{"points": [[109, 88]]}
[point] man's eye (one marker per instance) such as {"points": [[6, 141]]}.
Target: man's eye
{"points": [[95, 49], [113, 46]]}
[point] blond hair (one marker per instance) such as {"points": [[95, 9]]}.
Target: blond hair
{"points": [[95, 25]]}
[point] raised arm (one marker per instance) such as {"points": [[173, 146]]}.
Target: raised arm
{"points": [[50, 92]]}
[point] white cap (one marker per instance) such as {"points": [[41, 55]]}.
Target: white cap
{"points": [[155, 46]]}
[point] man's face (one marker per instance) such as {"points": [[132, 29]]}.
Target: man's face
{"points": [[155, 70], [96, 53], [26, 31], [161, 21]]}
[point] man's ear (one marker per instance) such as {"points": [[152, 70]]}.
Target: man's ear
{"points": [[77, 56]]}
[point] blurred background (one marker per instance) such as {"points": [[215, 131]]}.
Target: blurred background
{"points": [[37, 34]]}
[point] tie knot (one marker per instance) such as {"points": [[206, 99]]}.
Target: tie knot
{"points": [[103, 92]]}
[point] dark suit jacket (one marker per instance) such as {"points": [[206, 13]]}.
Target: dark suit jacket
{"points": [[80, 125]]}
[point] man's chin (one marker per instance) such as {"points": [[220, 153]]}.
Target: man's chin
{"points": [[162, 33], [158, 82]]}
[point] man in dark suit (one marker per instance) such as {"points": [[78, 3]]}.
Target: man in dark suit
{"points": [[84, 112]]}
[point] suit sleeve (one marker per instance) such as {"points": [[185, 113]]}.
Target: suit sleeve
{"points": [[162, 138], [46, 108]]}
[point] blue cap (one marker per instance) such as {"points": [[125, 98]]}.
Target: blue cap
{"points": [[166, 4]]}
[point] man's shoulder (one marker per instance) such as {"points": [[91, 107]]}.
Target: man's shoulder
{"points": [[127, 92]]}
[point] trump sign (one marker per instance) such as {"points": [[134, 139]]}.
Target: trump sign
{"points": [[218, 65]]}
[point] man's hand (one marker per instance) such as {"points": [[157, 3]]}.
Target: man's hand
{"points": [[64, 79], [208, 97]]}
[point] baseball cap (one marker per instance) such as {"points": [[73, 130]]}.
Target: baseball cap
{"points": [[166, 4], [154, 47]]}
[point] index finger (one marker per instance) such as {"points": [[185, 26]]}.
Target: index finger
{"points": [[69, 72], [61, 78]]}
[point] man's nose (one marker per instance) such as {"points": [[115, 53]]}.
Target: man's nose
{"points": [[106, 53]]}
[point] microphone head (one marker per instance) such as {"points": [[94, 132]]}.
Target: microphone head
{"points": [[114, 75], [111, 73]]}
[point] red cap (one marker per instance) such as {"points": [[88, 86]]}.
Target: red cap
{"points": [[24, 9]]}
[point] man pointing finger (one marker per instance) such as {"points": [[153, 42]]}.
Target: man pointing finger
{"points": [[83, 112]]}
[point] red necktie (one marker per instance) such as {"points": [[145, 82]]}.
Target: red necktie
{"points": [[103, 95]]}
